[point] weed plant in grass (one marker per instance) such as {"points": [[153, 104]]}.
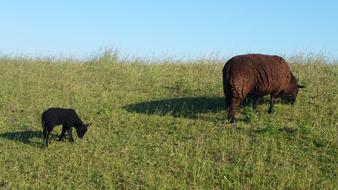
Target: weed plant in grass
{"points": [[163, 126]]}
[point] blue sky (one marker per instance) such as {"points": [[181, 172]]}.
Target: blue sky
{"points": [[175, 28]]}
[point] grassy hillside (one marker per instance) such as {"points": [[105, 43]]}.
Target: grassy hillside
{"points": [[163, 126]]}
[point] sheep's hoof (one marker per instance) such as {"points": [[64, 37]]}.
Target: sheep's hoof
{"points": [[232, 121], [271, 110]]}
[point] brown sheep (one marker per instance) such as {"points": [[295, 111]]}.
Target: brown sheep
{"points": [[257, 75]]}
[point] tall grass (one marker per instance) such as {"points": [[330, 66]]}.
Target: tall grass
{"points": [[163, 126]]}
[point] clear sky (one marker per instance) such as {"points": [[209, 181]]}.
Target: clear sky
{"points": [[168, 28]]}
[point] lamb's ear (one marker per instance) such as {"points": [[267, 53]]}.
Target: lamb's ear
{"points": [[300, 86]]}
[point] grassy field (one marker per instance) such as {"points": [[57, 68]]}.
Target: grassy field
{"points": [[163, 126]]}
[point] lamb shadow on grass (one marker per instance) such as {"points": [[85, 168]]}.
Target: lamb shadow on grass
{"points": [[188, 107], [24, 137]]}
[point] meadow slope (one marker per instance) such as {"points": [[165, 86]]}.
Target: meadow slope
{"points": [[163, 126]]}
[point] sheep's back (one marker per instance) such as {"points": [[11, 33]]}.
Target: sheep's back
{"points": [[256, 73]]}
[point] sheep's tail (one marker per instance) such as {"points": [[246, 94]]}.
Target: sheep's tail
{"points": [[226, 87]]}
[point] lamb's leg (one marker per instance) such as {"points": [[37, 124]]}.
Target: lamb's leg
{"points": [[70, 133], [63, 132], [232, 109], [46, 132], [272, 101], [45, 137]]}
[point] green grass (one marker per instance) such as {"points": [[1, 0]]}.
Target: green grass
{"points": [[163, 126]]}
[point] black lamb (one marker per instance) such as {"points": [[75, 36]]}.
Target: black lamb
{"points": [[68, 118]]}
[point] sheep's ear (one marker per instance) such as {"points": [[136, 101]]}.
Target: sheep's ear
{"points": [[300, 86]]}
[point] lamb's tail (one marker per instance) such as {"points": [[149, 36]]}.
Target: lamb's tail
{"points": [[43, 123]]}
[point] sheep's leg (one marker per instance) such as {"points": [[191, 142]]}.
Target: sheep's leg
{"points": [[272, 101], [254, 102], [232, 109], [227, 91], [70, 133], [63, 132], [227, 101]]}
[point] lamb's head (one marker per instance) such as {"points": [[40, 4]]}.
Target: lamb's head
{"points": [[82, 129], [290, 94]]}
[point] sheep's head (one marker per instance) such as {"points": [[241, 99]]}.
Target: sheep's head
{"points": [[82, 129], [290, 94]]}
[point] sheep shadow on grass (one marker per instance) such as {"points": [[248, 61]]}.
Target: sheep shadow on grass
{"points": [[24, 137], [187, 107]]}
